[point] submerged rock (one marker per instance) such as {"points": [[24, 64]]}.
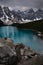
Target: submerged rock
{"points": [[40, 35]]}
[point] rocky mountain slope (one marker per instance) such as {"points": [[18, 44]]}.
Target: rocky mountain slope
{"points": [[12, 16]]}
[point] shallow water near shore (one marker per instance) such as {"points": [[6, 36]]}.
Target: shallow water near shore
{"points": [[27, 37]]}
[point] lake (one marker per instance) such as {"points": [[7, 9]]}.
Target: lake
{"points": [[27, 37]]}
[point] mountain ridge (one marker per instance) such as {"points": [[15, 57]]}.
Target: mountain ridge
{"points": [[11, 16]]}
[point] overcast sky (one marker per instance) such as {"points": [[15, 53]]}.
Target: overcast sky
{"points": [[22, 4]]}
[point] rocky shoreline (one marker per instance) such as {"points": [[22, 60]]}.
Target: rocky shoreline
{"points": [[19, 54]]}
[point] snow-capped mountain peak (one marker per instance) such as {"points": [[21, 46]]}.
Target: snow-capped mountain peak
{"points": [[9, 16]]}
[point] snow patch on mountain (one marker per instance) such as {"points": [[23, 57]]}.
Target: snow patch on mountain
{"points": [[10, 16]]}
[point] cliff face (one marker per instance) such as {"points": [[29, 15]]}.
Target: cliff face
{"points": [[19, 54]]}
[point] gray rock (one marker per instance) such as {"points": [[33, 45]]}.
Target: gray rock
{"points": [[7, 56], [19, 54]]}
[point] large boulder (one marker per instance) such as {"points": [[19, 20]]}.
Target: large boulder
{"points": [[7, 56], [24, 52], [17, 48]]}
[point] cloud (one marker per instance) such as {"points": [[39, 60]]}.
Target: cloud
{"points": [[18, 4]]}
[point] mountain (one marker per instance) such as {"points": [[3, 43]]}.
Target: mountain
{"points": [[29, 14], [1, 12], [32, 15], [12, 16], [29, 11], [7, 11], [39, 13]]}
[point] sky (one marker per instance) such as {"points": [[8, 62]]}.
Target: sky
{"points": [[22, 4]]}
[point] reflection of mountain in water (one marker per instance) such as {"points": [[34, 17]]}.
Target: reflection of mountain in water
{"points": [[28, 37]]}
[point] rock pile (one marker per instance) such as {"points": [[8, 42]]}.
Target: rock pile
{"points": [[19, 54]]}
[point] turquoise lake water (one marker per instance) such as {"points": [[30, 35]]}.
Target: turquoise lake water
{"points": [[27, 37]]}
